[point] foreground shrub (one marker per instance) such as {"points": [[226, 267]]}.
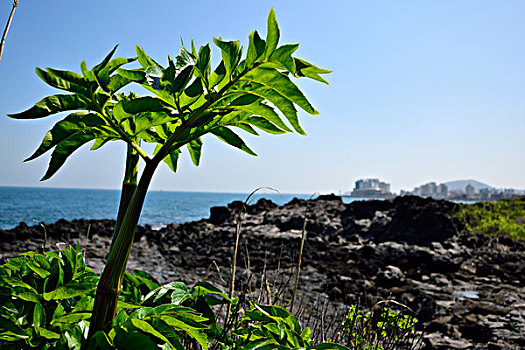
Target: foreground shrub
{"points": [[47, 302]]}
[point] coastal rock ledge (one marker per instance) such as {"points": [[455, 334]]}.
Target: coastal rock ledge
{"points": [[466, 289]]}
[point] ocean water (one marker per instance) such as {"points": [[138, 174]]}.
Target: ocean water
{"points": [[47, 205]]}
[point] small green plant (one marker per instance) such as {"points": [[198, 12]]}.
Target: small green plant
{"points": [[505, 217], [269, 327], [383, 330], [190, 100]]}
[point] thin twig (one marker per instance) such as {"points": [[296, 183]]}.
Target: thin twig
{"points": [[303, 239], [4, 36]]}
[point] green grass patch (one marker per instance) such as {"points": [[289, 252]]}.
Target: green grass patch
{"points": [[505, 217]]}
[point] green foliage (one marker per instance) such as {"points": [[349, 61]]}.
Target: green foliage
{"points": [[45, 299], [506, 217], [388, 329], [268, 327]]}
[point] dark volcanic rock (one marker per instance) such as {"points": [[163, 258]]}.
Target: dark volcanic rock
{"points": [[467, 290]]}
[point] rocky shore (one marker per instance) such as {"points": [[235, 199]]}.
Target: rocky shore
{"points": [[466, 289]]}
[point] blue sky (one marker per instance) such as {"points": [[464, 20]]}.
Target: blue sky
{"points": [[421, 90]]}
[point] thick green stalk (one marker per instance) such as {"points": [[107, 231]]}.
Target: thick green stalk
{"points": [[110, 283], [129, 184]]}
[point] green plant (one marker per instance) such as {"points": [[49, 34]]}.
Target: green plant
{"points": [[505, 217], [190, 101], [383, 330], [268, 327], [46, 299]]}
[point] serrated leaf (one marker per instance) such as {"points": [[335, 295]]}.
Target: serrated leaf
{"points": [[203, 63], [255, 48], [265, 125], [246, 127], [172, 160], [196, 333], [88, 74], [150, 119], [70, 290], [280, 83], [75, 83], [231, 138], [306, 69], [182, 79], [68, 126], [51, 105], [104, 62], [144, 59], [117, 82], [27, 296], [137, 75], [72, 318], [283, 55], [142, 105], [230, 51], [272, 36], [65, 148], [266, 112], [282, 103], [194, 148], [217, 76], [147, 328], [39, 315]]}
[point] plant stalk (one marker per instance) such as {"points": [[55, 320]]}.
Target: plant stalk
{"points": [[110, 283], [129, 184], [4, 36]]}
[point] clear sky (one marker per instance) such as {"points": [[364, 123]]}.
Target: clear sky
{"points": [[421, 90]]}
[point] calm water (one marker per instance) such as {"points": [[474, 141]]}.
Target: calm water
{"points": [[50, 204]]}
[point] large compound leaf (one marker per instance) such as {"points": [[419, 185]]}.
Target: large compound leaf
{"points": [[68, 126], [53, 104], [232, 139]]}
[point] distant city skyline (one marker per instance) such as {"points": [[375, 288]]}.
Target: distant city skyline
{"points": [[420, 91]]}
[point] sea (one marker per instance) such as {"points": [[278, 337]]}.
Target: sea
{"points": [[47, 205]]}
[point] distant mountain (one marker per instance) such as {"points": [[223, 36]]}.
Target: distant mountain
{"points": [[460, 185]]}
